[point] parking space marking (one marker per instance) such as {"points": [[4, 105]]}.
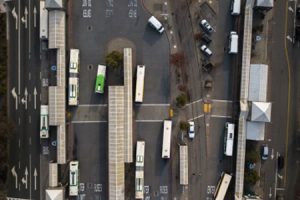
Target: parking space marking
{"points": [[92, 105], [221, 116], [109, 8], [167, 105], [87, 122], [132, 5], [146, 120], [86, 8]]}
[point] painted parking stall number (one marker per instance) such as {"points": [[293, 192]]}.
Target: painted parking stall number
{"points": [[98, 187], [147, 192], [163, 189], [109, 10], [86, 8], [211, 189], [132, 5]]}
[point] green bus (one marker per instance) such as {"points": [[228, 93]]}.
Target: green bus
{"points": [[100, 79]]}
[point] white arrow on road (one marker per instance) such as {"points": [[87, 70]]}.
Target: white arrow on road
{"points": [[34, 93], [291, 9], [272, 155], [35, 175], [26, 98], [15, 15], [14, 94], [25, 180], [14, 173], [34, 19], [24, 19]]}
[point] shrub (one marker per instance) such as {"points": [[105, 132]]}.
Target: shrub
{"points": [[114, 59], [184, 125], [181, 100]]}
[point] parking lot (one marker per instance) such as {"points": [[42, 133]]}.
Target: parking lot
{"points": [[95, 27]]}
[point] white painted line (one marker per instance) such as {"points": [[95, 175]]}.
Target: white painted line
{"points": [[200, 116], [29, 119], [14, 198], [19, 121], [222, 101], [29, 140], [30, 176], [29, 76], [221, 116], [152, 104], [88, 122], [148, 120], [92, 105], [19, 49], [194, 102]]}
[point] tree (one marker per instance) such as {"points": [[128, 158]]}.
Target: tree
{"points": [[114, 59], [252, 156], [177, 59], [184, 125], [251, 177], [181, 100]]}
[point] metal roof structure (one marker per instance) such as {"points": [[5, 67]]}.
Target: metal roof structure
{"points": [[128, 104], [183, 165], [57, 94], [53, 175], [244, 91], [265, 3], [116, 176], [55, 194], [256, 131], [54, 4], [258, 82], [261, 111]]}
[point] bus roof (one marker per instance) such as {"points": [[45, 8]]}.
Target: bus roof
{"points": [[223, 186], [139, 90], [100, 79], [233, 48]]}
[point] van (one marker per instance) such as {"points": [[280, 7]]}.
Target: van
{"points": [[233, 43], [44, 124], [156, 24], [235, 7], [265, 152]]}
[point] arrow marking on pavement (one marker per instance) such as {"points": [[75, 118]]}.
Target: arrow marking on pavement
{"points": [[14, 173], [25, 180], [26, 98], [25, 18], [14, 94], [34, 19], [35, 175], [291, 9], [13, 12], [34, 94]]}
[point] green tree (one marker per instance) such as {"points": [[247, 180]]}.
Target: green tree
{"points": [[181, 100], [252, 156], [184, 125], [114, 59], [251, 177]]}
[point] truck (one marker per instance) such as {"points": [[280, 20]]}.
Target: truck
{"points": [[43, 21]]}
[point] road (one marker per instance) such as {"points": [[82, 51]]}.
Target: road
{"points": [[24, 80], [114, 25]]}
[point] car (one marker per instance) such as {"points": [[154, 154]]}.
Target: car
{"points": [[280, 162], [206, 50], [265, 152], [206, 26], [191, 130], [205, 38]]}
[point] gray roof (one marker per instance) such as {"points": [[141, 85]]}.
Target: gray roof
{"points": [[53, 4], [261, 111], [55, 194], [255, 131], [258, 82], [265, 3]]}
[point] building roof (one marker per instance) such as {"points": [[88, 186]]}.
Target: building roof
{"points": [[261, 111], [55, 194], [54, 4], [255, 131], [258, 82], [265, 3]]}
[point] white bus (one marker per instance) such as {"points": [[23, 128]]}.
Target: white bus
{"points": [[235, 7], [222, 187], [74, 61], [73, 91], [139, 170], [139, 90], [228, 139], [44, 123], [233, 42], [73, 178], [43, 21], [166, 146]]}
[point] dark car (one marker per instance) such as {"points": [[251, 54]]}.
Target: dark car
{"points": [[280, 162], [205, 38]]}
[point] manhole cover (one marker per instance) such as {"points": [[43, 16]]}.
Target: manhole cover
{"points": [[90, 67], [89, 28]]}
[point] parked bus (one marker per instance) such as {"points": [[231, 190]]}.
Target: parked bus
{"points": [[43, 21], [74, 61], [222, 187], [44, 123], [166, 147], [235, 7], [73, 178], [139, 170], [228, 139], [139, 90], [100, 79], [233, 42], [73, 91]]}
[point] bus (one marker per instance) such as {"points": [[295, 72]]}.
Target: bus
{"points": [[44, 123], [73, 91], [166, 146], [222, 187], [228, 139], [74, 61], [139, 170], [235, 7], [73, 178], [139, 90], [100, 79], [43, 21]]}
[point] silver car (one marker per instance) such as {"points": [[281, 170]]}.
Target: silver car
{"points": [[206, 26], [206, 50]]}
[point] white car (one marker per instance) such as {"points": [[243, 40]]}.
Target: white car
{"points": [[206, 50], [191, 130], [206, 26]]}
